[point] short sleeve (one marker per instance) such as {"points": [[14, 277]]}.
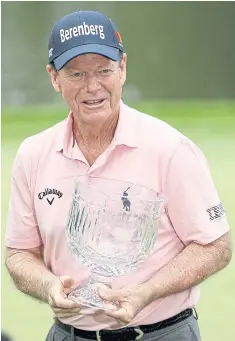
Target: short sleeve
{"points": [[193, 204], [21, 229]]}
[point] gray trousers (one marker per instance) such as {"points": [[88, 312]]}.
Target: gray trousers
{"points": [[186, 330]]}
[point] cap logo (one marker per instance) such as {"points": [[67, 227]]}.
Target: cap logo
{"points": [[50, 52], [119, 37], [81, 30]]}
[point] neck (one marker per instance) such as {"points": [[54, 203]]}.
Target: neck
{"points": [[94, 140], [87, 134]]}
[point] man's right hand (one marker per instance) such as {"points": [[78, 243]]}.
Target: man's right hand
{"points": [[62, 306]]}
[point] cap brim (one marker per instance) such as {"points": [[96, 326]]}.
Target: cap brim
{"points": [[103, 50]]}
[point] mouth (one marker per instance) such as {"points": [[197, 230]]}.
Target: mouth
{"points": [[94, 103]]}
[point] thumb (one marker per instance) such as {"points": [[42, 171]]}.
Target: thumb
{"points": [[111, 295], [66, 281]]}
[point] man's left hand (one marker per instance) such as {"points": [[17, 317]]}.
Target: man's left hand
{"points": [[130, 301]]}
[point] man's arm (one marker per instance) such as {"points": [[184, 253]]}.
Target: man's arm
{"points": [[32, 277], [196, 214], [26, 266], [29, 273], [24, 258], [191, 266]]}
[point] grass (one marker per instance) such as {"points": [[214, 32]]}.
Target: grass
{"points": [[212, 126]]}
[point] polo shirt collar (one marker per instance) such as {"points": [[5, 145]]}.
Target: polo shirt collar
{"points": [[126, 132]]}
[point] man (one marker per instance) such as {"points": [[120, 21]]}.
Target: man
{"points": [[105, 138]]}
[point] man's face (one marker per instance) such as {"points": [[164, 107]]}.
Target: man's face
{"points": [[91, 85]]}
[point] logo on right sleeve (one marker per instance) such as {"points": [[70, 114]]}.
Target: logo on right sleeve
{"points": [[216, 211]]}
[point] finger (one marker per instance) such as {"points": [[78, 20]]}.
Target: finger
{"points": [[66, 281], [68, 290], [121, 322], [61, 302], [60, 312], [122, 315], [111, 295], [56, 309]]}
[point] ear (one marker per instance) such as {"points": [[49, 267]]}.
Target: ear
{"points": [[123, 68], [54, 76]]}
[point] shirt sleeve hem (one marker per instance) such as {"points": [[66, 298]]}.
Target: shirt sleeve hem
{"points": [[22, 244], [213, 237]]}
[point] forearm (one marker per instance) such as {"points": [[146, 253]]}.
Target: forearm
{"points": [[29, 272], [190, 267]]}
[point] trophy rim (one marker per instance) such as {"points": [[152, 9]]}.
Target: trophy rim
{"points": [[160, 196]]}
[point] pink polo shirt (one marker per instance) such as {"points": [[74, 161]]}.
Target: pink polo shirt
{"points": [[146, 151]]}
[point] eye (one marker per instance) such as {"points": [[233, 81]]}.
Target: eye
{"points": [[105, 71], [77, 74]]}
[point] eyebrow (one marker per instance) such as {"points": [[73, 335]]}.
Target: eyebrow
{"points": [[74, 68], [68, 67]]}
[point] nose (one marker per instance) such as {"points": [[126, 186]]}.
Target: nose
{"points": [[92, 84]]}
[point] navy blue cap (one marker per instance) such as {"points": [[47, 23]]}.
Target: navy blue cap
{"points": [[83, 32]]}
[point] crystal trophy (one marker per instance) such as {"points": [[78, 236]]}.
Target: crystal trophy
{"points": [[111, 230]]}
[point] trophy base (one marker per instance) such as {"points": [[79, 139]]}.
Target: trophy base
{"points": [[88, 296]]}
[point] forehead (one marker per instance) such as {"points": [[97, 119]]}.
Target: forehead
{"points": [[88, 60]]}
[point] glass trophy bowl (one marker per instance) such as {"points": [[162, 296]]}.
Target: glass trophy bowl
{"points": [[111, 230]]}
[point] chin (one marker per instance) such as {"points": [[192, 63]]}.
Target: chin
{"points": [[101, 115]]}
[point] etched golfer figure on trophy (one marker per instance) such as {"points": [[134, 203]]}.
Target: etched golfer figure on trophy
{"points": [[126, 201], [111, 231]]}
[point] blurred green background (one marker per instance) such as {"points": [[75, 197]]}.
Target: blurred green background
{"points": [[179, 49], [181, 69]]}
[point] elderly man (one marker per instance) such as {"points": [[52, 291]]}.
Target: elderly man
{"points": [[103, 137]]}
